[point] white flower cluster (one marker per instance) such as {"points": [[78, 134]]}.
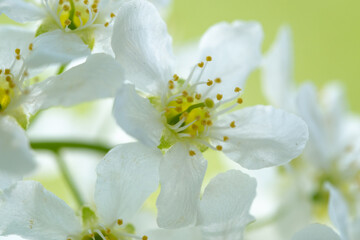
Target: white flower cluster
{"points": [[121, 49]]}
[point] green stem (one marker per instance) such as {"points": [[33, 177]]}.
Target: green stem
{"points": [[57, 145], [69, 180]]}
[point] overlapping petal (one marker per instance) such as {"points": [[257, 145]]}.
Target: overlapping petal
{"points": [[16, 155], [30, 211], [142, 45], [338, 212], [21, 11], [235, 50], [56, 47], [277, 71], [316, 232], [181, 176], [264, 136], [127, 175], [137, 116], [99, 77]]}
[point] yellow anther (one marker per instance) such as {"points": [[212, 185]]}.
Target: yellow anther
{"points": [[112, 15], [66, 8], [209, 82], [201, 64], [197, 118], [209, 103], [67, 22], [203, 122], [208, 58], [207, 114], [0, 71], [86, 2], [192, 153], [171, 82], [120, 222], [176, 77], [78, 13], [232, 124], [18, 57], [106, 24], [95, 10], [239, 100], [226, 138], [179, 101], [108, 230], [144, 237], [185, 93], [94, 6], [218, 80], [190, 99], [7, 71], [12, 84], [17, 51], [237, 89], [178, 109], [198, 96], [8, 78], [61, 2], [219, 147], [194, 126], [30, 46], [209, 123], [219, 96]]}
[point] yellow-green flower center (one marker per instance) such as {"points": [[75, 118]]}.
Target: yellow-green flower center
{"points": [[7, 86]]}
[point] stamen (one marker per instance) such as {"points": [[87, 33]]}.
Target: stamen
{"points": [[218, 80], [30, 46], [239, 100], [198, 96], [219, 97], [219, 147], [119, 222], [226, 138], [232, 124], [17, 51], [176, 77], [192, 153], [209, 82], [7, 71], [201, 64], [209, 58], [237, 89]]}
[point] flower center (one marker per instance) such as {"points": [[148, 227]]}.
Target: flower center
{"points": [[74, 13], [6, 88], [190, 109]]}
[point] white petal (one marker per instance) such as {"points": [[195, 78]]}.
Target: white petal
{"points": [[12, 38], [264, 136], [225, 205], [277, 71], [318, 148], [189, 233], [56, 47], [6, 179], [21, 11], [99, 77], [137, 116], [127, 175], [142, 45], [338, 211], [235, 50], [30, 211], [16, 155], [181, 176], [228, 196], [355, 229], [316, 232]]}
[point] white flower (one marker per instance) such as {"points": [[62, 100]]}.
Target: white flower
{"points": [[87, 21], [223, 211], [339, 215], [334, 133], [122, 185], [187, 116], [19, 97]]}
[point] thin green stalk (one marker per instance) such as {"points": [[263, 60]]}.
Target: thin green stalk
{"points": [[57, 145], [69, 180], [61, 69]]}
